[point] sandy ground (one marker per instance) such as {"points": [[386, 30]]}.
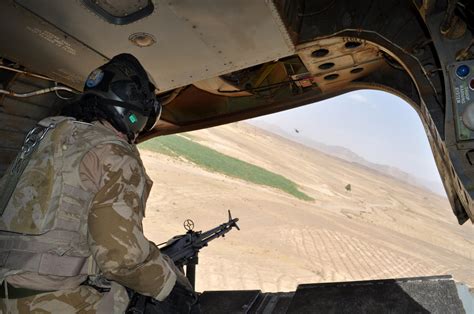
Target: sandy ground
{"points": [[383, 228]]}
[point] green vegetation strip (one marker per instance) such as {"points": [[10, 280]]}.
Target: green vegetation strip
{"points": [[174, 145]]}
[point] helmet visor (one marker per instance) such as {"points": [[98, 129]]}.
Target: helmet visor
{"points": [[154, 115]]}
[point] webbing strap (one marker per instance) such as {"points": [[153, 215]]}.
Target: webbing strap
{"points": [[75, 192], [72, 209], [46, 264], [69, 214], [54, 238], [20, 244]]}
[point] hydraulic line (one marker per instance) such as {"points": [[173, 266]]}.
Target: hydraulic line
{"points": [[55, 89], [25, 73], [37, 92]]}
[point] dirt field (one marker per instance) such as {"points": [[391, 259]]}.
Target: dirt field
{"points": [[383, 228]]}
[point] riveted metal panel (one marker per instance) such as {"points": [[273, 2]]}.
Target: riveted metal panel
{"points": [[349, 60], [195, 40], [39, 46]]}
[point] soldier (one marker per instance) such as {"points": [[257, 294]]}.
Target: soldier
{"points": [[72, 204]]}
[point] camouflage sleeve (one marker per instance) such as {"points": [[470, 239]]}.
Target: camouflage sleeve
{"points": [[116, 236]]}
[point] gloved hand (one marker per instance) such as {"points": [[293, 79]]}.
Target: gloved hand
{"points": [[179, 301], [180, 277], [182, 300]]}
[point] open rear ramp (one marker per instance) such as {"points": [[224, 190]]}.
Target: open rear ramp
{"points": [[436, 294]]}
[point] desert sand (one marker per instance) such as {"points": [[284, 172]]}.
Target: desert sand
{"points": [[382, 228]]}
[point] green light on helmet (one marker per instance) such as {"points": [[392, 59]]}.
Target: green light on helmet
{"points": [[133, 118]]}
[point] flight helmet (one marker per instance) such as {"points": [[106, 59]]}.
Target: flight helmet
{"points": [[124, 95]]}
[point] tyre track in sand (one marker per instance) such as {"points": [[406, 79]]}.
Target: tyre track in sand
{"points": [[342, 257]]}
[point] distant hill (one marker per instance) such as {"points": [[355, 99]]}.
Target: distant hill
{"points": [[348, 155]]}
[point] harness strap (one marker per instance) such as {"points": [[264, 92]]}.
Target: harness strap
{"points": [[30, 144]]}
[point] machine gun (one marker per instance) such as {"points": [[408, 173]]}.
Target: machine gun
{"points": [[184, 249]]}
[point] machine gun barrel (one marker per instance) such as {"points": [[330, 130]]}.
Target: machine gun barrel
{"points": [[217, 232]]}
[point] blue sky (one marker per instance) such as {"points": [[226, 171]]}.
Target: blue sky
{"points": [[378, 126]]}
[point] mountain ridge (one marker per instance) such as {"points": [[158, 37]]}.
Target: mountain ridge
{"points": [[348, 155]]}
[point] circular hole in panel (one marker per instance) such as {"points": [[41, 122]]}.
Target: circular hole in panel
{"points": [[352, 44], [331, 77], [326, 65], [357, 70], [319, 53]]}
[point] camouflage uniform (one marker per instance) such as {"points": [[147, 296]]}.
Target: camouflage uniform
{"points": [[76, 213]]}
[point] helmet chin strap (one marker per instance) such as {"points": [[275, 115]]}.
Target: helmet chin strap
{"points": [[129, 135], [149, 114]]}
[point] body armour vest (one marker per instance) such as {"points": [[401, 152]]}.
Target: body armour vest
{"points": [[43, 227]]}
